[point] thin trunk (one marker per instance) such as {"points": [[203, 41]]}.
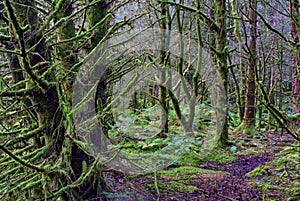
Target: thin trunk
{"points": [[240, 91], [200, 46], [222, 67], [249, 119], [104, 89], [163, 56], [295, 15]]}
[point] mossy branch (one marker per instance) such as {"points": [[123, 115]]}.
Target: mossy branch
{"points": [[279, 117], [24, 137], [20, 34], [5, 160], [19, 93], [21, 161], [10, 52], [69, 40]]}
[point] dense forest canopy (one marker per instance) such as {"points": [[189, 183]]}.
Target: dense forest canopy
{"points": [[91, 87]]}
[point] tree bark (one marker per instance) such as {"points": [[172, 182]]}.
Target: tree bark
{"points": [[295, 17], [61, 162], [248, 125], [163, 77], [222, 66], [240, 91]]}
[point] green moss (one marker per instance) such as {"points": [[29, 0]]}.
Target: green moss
{"points": [[220, 157], [275, 172], [249, 131], [190, 159], [258, 172], [291, 191], [252, 151], [194, 159], [185, 171]]}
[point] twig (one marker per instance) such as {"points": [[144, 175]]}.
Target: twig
{"points": [[156, 183]]}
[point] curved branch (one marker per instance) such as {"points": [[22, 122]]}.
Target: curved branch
{"points": [[21, 161]]}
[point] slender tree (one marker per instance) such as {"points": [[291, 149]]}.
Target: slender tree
{"points": [[248, 124], [240, 89], [295, 17], [221, 55]]}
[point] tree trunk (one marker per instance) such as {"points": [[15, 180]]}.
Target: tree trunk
{"points": [[240, 91], [222, 66], [248, 125], [104, 90], [61, 162], [295, 17], [163, 77]]}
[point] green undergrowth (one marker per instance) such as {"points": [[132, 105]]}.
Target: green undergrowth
{"points": [[245, 145], [196, 159], [179, 179]]}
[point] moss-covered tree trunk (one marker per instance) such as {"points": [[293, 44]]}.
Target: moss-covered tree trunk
{"points": [[240, 90], [75, 157], [58, 165], [248, 124], [163, 77], [222, 66], [104, 89]]}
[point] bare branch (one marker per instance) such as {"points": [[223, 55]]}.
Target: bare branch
{"points": [[272, 29], [21, 161], [203, 17]]}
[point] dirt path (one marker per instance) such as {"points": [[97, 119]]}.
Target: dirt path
{"points": [[230, 184], [225, 182]]}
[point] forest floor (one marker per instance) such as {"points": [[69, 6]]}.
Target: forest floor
{"points": [[263, 168]]}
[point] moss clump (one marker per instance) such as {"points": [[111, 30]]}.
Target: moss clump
{"points": [[252, 151], [194, 159], [280, 176], [185, 171], [248, 130], [287, 193], [220, 157], [260, 171], [190, 159]]}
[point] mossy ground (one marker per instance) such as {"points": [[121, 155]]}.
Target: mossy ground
{"points": [[195, 173], [280, 175]]}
